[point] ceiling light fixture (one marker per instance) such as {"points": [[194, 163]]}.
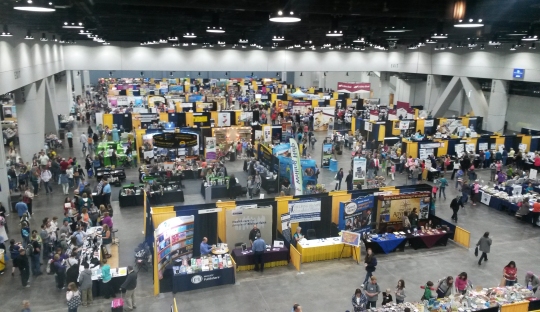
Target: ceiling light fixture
{"points": [[35, 6], [513, 48], [439, 34], [517, 33], [334, 30], [162, 39], [533, 46], [73, 25], [29, 36], [54, 38], [215, 26], [394, 29], [189, 34], [43, 37], [429, 40], [530, 35], [172, 36], [469, 23], [278, 38], [106, 43], [5, 32], [243, 39], [284, 17], [85, 32]]}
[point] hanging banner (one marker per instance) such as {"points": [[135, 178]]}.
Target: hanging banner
{"points": [[486, 198], [267, 132], [393, 207], [459, 148], [322, 117], [353, 87], [296, 169], [429, 123], [326, 155], [368, 126], [373, 115], [357, 215], [282, 149], [210, 148], [258, 135], [308, 172], [239, 223], [174, 239], [224, 119], [359, 170], [368, 102], [305, 210], [403, 125], [175, 140]]}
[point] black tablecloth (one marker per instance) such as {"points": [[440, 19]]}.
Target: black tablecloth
{"points": [[218, 191], [130, 200], [167, 197], [118, 172], [268, 256], [200, 280], [269, 185], [433, 175], [114, 283], [98, 200]]}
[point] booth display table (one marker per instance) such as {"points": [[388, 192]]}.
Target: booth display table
{"points": [[217, 191], [174, 196], [200, 280], [119, 276], [429, 240], [269, 184], [107, 173], [274, 257], [130, 200], [322, 249], [386, 244], [433, 174]]}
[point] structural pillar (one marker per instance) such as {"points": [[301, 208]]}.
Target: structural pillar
{"points": [[86, 81], [77, 82], [433, 87], [4, 182], [403, 92], [63, 93], [30, 100], [51, 114], [498, 104]]}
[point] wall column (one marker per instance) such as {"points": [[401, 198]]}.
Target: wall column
{"points": [[498, 104], [31, 125], [432, 91], [63, 93], [51, 114], [77, 82], [4, 182], [87, 82], [403, 92]]}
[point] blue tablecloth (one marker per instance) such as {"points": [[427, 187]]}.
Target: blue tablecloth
{"points": [[390, 243], [501, 204]]}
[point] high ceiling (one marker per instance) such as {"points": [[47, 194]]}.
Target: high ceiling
{"points": [[143, 20]]}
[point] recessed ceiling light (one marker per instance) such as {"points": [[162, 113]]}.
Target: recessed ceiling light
{"points": [[394, 29], [469, 23], [189, 35], [5, 32], [334, 33], [281, 17], [73, 25], [278, 38], [439, 36], [35, 6], [29, 36], [214, 29]]}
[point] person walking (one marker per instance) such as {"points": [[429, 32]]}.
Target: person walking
{"points": [[456, 202], [359, 301], [484, 245], [35, 253], [443, 183], [69, 136], [46, 177], [83, 139], [73, 297], [23, 264], [372, 292], [250, 187], [370, 264], [349, 181], [85, 283], [64, 180], [129, 285], [258, 250], [339, 178]]}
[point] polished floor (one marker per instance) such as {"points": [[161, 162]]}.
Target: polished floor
{"points": [[323, 286]]}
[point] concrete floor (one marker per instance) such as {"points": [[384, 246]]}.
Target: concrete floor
{"points": [[322, 286]]}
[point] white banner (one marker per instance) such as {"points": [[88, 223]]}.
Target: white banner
{"points": [[428, 123], [296, 172], [471, 148], [532, 174], [239, 223], [403, 125], [305, 210], [485, 198], [224, 119], [359, 170], [322, 117], [368, 126], [267, 134], [459, 148], [210, 148], [522, 147], [483, 146]]}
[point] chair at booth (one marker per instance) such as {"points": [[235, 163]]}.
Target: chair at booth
{"points": [[311, 234]]}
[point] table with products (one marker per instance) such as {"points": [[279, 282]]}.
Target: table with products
{"points": [[217, 191], [323, 249], [429, 238], [433, 174], [118, 277], [131, 196], [386, 243], [167, 196], [186, 275], [112, 175], [273, 257]]}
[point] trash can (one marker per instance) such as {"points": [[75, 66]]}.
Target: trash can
{"points": [[61, 134], [333, 165]]}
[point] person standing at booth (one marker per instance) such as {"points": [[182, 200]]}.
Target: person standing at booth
{"points": [[258, 250], [253, 234]]}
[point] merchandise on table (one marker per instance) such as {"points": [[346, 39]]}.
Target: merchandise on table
{"points": [[203, 264]]}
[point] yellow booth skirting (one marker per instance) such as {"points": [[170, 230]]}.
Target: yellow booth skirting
{"points": [[516, 307], [321, 253], [296, 258], [266, 265], [462, 237]]}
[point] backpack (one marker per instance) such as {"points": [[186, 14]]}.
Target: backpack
{"points": [[51, 268], [30, 248]]}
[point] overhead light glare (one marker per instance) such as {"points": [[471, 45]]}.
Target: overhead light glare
{"points": [[73, 25], [470, 23], [395, 29], [281, 17], [30, 6], [278, 38], [189, 35]]}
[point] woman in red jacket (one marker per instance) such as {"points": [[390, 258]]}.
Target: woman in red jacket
{"points": [[510, 273]]}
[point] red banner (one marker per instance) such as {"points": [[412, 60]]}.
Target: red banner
{"points": [[404, 105], [353, 86]]}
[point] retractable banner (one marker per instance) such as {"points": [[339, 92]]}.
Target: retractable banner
{"points": [[296, 173]]}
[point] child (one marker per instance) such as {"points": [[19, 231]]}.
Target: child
{"points": [[387, 297], [393, 171]]}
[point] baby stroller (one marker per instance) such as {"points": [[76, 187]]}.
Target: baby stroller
{"points": [[142, 256]]}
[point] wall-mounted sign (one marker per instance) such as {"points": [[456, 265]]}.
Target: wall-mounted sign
{"points": [[519, 73], [175, 140]]}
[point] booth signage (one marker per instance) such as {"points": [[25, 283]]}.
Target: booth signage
{"points": [[518, 73], [305, 210], [200, 118], [353, 86], [175, 140], [430, 145], [356, 215], [372, 102], [296, 172]]}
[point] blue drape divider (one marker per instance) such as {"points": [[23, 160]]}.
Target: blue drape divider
{"points": [[534, 144], [374, 132], [451, 146], [118, 120]]}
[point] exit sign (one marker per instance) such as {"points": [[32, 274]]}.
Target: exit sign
{"points": [[519, 73]]}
